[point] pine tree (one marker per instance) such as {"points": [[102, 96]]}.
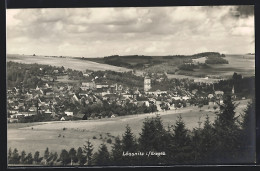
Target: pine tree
{"points": [[55, 156], [64, 157], [180, 146], [46, 155], [153, 138], [226, 118], [102, 157], [36, 157], [226, 132], [73, 156], [128, 141], [29, 159], [81, 157], [10, 155], [22, 158], [247, 136], [203, 142], [117, 152], [88, 149], [16, 157], [152, 134]]}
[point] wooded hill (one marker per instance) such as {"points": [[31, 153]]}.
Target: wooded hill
{"points": [[142, 61]]}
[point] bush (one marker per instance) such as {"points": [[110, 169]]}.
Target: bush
{"points": [[94, 137], [109, 141]]}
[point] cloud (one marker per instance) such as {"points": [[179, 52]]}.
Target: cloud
{"points": [[142, 30], [245, 11]]}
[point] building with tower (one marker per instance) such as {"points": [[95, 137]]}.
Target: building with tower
{"points": [[147, 84]]}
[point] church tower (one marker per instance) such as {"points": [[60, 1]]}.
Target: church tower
{"points": [[147, 84]]}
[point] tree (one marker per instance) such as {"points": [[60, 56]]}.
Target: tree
{"points": [[52, 157], [36, 157], [180, 145], [73, 156], [46, 155], [128, 141], [64, 157], [10, 155], [152, 135], [226, 130], [153, 138], [22, 158], [81, 158], [55, 156], [87, 149], [117, 152], [29, 159], [247, 136], [15, 157], [226, 118], [102, 157], [203, 142]]}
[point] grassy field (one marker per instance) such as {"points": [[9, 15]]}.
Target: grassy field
{"points": [[76, 133], [74, 64], [241, 64]]}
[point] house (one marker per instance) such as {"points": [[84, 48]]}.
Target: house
{"points": [[68, 113], [88, 85], [185, 97], [177, 98], [55, 71], [219, 93], [32, 109], [12, 120], [199, 60], [114, 115], [211, 103], [79, 116], [127, 95], [12, 111], [194, 91], [75, 98], [37, 88], [119, 88], [157, 92], [210, 96], [141, 103], [47, 111]]}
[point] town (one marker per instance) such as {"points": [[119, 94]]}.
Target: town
{"points": [[45, 93]]}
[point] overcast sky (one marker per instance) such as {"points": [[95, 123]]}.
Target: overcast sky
{"points": [[91, 32]]}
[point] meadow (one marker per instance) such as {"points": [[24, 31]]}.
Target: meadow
{"points": [[68, 62], [60, 135]]}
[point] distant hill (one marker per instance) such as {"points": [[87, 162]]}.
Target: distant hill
{"points": [[208, 54], [142, 61]]}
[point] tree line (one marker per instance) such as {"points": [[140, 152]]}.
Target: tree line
{"points": [[227, 139]]}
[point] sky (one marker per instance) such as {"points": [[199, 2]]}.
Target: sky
{"points": [[99, 32]]}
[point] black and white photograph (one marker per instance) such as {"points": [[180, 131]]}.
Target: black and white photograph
{"points": [[130, 86]]}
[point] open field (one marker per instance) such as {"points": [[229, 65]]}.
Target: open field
{"points": [[241, 64], [46, 134], [71, 63]]}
